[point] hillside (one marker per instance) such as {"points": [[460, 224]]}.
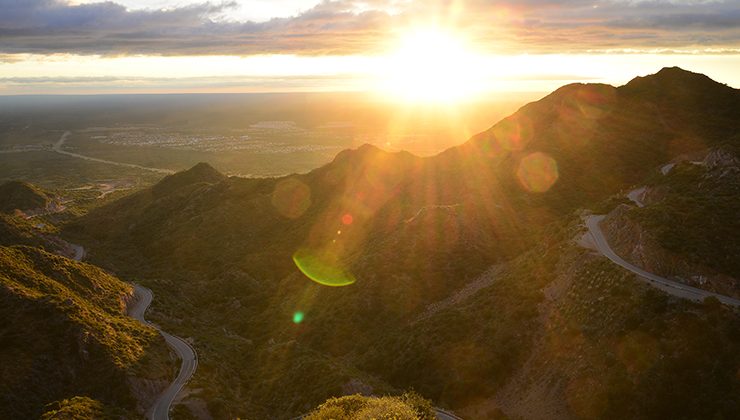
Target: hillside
{"points": [[17, 195], [65, 334], [462, 278], [686, 227]]}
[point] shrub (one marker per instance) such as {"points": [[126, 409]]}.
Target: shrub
{"points": [[409, 406]]}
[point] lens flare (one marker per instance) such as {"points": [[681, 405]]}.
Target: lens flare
{"points": [[322, 267], [537, 172], [638, 352], [586, 397], [298, 317], [512, 133], [291, 198], [347, 219]]}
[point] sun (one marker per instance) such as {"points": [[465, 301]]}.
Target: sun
{"points": [[430, 65]]}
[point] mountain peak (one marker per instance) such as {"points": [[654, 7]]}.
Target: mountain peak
{"points": [[359, 153], [206, 170], [201, 172], [670, 80], [676, 71]]}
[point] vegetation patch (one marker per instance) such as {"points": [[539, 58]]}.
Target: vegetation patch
{"points": [[409, 406]]}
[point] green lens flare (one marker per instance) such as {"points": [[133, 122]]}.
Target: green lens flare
{"points": [[298, 317], [323, 268]]}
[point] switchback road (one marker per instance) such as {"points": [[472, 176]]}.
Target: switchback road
{"points": [[669, 286], [161, 408]]}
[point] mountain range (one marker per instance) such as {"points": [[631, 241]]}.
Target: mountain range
{"points": [[468, 276]]}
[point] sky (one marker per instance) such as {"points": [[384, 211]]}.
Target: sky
{"points": [[457, 48]]}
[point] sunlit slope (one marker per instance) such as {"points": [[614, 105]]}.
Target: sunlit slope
{"points": [[65, 334], [573, 148], [597, 139], [250, 263]]}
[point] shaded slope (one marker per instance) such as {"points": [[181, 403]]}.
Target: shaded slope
{"points": [[17, 195], [200, 173]]}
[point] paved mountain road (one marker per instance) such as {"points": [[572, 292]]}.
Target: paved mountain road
{"points": [[669, 286], [161, 408], [445, 415], [79, 252]]}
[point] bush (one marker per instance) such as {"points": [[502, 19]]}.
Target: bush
{"points": [[409, 406], [76, 408]]}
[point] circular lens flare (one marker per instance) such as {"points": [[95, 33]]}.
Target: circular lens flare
{"points": [[347, 219], [537, 172], [323, 268]]}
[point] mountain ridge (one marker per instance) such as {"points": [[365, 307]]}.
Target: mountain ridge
{"points": [[511, 196]]}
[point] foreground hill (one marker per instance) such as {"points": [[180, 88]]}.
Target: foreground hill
{"points": [[65, 334], [17, 195], [461, 274]]}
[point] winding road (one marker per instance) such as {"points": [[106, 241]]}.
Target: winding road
{"points": [[445, 415], [669, 286], [79, 252], [58, 149], [143, 298], [161, 408]]}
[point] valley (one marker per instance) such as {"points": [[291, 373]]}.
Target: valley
{"points": [[60, 144]]}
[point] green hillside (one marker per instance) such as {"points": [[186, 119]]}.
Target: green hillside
{"points": [[697, 214], [65, 334]]}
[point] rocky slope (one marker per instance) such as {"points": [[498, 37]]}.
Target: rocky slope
{"points": [[686, 228]]}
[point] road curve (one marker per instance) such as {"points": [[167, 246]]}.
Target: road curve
{"points": [[669, 286], [445, 415], [79, 252], [58, 148], [161, 408]]}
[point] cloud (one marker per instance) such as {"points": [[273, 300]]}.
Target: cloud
{"points": [[354, 26], [112, 84]]}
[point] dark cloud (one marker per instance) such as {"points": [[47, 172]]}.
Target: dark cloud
{"points": [[353, 26]]}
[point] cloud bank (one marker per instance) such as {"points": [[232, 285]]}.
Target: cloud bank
{"points": [[343, 27]]}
